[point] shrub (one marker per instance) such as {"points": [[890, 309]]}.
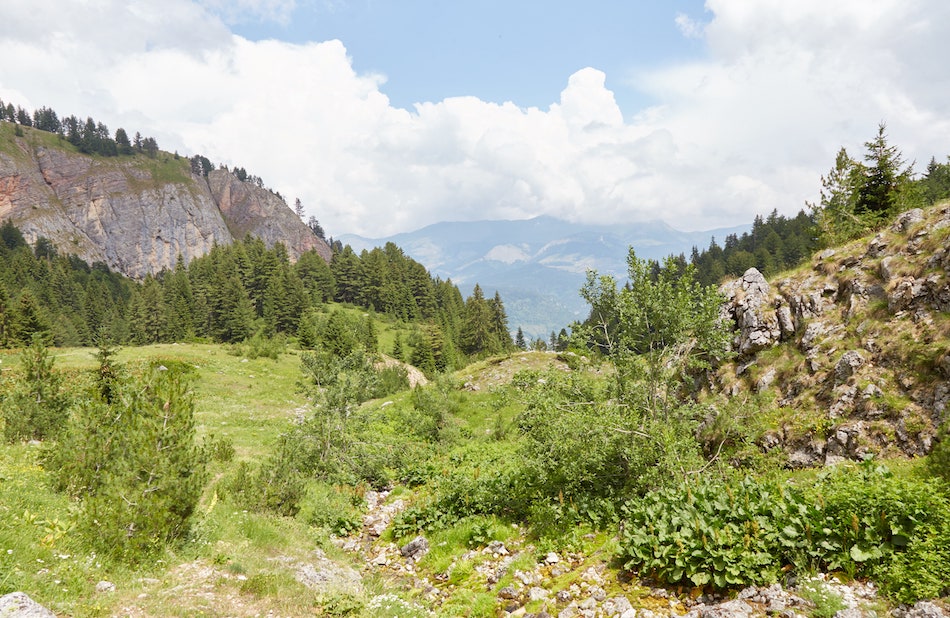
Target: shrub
{"points": [[866, 523], [37, 407], [134, 464]]}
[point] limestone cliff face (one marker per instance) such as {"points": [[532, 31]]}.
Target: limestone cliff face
{"points": [[135, 214], [858, 341], [248, 209]]}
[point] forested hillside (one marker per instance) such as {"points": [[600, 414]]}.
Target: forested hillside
{"points": [[234, 293]]}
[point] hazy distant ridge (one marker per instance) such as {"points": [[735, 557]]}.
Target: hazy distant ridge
{"points": [[538, 265]]}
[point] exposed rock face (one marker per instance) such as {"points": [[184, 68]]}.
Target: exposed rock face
{"points": [[866, 336], [758, 324], [134, 214], [248, 209]]}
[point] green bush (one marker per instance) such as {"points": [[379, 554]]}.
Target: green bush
{"points": [[864, 522], [275, 486], [134, 465]]}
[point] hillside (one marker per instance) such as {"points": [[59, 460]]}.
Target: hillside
{"points": [[537, 264], [849, 353], [136, 213]]}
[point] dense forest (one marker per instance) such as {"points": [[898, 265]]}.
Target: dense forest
{"points": [[234, 293]]}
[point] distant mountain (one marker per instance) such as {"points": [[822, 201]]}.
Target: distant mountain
{"points": [[537, 265]]}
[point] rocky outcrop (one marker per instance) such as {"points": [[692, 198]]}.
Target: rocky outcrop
{"points": [[865, 336], [136, 214], [248, 209]]}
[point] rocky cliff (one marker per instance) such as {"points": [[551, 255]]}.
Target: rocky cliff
{"points": [[134, 213], [854, 347]]}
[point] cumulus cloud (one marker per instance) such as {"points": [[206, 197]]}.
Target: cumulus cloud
{"points": [[748, 129]]}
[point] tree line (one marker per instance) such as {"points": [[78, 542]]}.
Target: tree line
{"points": [[235, 292], [89, 136], [857, 196]]}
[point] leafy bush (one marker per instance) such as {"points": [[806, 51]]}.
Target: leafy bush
{"points": [[329, 507], [868, 524]]}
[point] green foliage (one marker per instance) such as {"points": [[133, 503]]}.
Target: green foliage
{"points": [[826, 601], [857, 198], [37, 406], [660, 329], [335, 508], [134, 465], [733, 534], [276, 485], [259, 346]]}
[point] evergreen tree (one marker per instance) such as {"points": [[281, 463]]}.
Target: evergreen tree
{"points": [[519, 340], [29, 320], [478, 330], [123, 145], [397, 346], [886, 180]]}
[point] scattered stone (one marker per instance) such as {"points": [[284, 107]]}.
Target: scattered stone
{"points": [[498, 548], [736, 608], [907, 220], [536, 593], [551, 558], [617, 606], [563, 596], [766, 380], [922, 609]]}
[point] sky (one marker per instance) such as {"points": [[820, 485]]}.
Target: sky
{"points": [[384, 116]]}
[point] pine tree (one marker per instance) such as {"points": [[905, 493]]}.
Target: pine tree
{"points": [[886, 180], [519, 340], [478, 326]]}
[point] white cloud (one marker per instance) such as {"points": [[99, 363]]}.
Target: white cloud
{"points": [[747, 130]]}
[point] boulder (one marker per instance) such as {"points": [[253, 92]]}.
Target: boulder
{"points": [[20, 605]]}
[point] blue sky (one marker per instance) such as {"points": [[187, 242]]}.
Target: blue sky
{"points": [[495, 50], [385, 116]]}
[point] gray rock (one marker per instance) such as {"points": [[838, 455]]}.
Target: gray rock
{"points": [[736, 608], [105, 587], [925, 609], [813, 333], [415, 549], [907, 220], [786, 323], [766, 380], [568, 612], [849, 362], [508, 592], [20, 605], [325, 575], [886, 269], [617, 606], [536, 593]]}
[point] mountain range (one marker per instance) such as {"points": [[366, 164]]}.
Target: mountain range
{"points": [[538, 265]]}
